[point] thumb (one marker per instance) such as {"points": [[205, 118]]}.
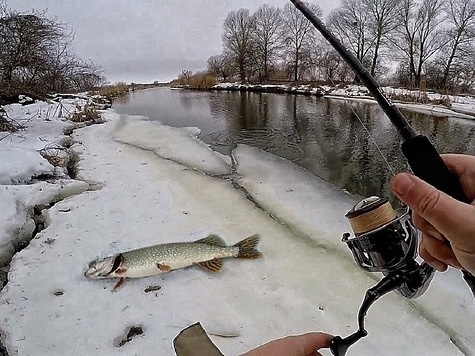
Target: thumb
{"points": [[450, 217]]}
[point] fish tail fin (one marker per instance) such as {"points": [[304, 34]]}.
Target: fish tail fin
{"points": [[247, 247]]}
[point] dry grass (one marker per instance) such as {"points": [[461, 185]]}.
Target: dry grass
{"points": [[199, 81], [86, 114], [421, 98], [6, 124], [112, 91], [56, 155], [202, 81]]}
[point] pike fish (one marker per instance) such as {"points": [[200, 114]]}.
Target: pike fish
{"points": [[148, 261]]}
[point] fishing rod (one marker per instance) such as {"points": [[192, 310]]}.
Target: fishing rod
{"points": [[386, 240]]}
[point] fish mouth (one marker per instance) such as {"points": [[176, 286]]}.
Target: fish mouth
{"points": [[103, 268], [99, 269]]}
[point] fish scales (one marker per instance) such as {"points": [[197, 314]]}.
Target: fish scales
{"points": [[143, 262], [148, 261]]}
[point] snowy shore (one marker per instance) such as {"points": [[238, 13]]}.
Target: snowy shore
{"points": [[462, 107], [139, 183]]}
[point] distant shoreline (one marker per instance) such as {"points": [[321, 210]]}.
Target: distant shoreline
{"points": [[458, 106]]}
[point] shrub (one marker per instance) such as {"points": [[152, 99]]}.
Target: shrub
{"points": [[420, 98], [202, 81], [112, 91], [199, 80], [8, 125], [86, 114]]}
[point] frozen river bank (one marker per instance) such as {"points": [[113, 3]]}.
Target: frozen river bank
{"points": [[140, 183]]}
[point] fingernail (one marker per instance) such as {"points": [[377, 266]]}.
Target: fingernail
{"points": [[401, 183], [439, 266], [435, 234]]}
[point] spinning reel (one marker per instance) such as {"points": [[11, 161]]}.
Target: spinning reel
{"points": [[384, 241]]}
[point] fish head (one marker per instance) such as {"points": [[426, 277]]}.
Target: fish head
{"points": [[104, 268]]}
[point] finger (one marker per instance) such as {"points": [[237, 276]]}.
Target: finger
{"points": [[311, 342], [439, 209], [463, 166], [431, 260], [426, 228], [440, 251], [306, 344]]}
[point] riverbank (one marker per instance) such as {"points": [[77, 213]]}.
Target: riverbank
{"points": [[137, 183], [457, 106]]}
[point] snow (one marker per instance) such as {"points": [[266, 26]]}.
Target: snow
{"points": [[17, 204], [20, 165], [141, 183]]}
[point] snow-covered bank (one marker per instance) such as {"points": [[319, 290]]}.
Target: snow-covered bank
{"points": [[162, 184], [462, 107], [34, 164]]}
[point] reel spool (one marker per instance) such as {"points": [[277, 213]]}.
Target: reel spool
{"points": [[383, 240]]}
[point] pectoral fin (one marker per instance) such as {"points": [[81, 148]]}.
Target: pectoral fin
{"points": [[213, 266], [164, 268], [119, 284]]}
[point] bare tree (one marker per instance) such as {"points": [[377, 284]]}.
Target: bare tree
{"points": [[185, 76], [35, 55], [330, 65], [221, 65], [464, 75], [236, 38], [419, 36], [266, 37], [25, 44], [382, 21], [351, 24], [460, 35], [298, 37]]}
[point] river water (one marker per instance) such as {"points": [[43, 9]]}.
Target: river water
{"points": [[320, 134]]}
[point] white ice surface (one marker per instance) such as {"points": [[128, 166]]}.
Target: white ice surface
{"points": [[306, 281], [178, 144]]}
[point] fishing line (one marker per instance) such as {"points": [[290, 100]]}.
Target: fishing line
{"points": [[369, 133]]}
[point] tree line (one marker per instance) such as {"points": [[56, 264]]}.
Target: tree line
{"points": [[421, 43], [36, 56]]}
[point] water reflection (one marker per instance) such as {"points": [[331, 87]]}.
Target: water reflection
{"points": [[322, 135]]}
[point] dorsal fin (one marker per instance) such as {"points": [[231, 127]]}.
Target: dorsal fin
{"points": [[214, 265], [213, 240]]}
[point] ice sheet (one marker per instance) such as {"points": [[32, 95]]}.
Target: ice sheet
{"points": [[177, 144]]}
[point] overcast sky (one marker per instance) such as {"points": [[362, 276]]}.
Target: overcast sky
{"points": [[147, 40]]}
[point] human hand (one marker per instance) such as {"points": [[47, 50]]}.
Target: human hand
{"points": [[441, 217], [301, 345]]}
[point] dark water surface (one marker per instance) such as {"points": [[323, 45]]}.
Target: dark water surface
{"points": [[322, 135]]}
